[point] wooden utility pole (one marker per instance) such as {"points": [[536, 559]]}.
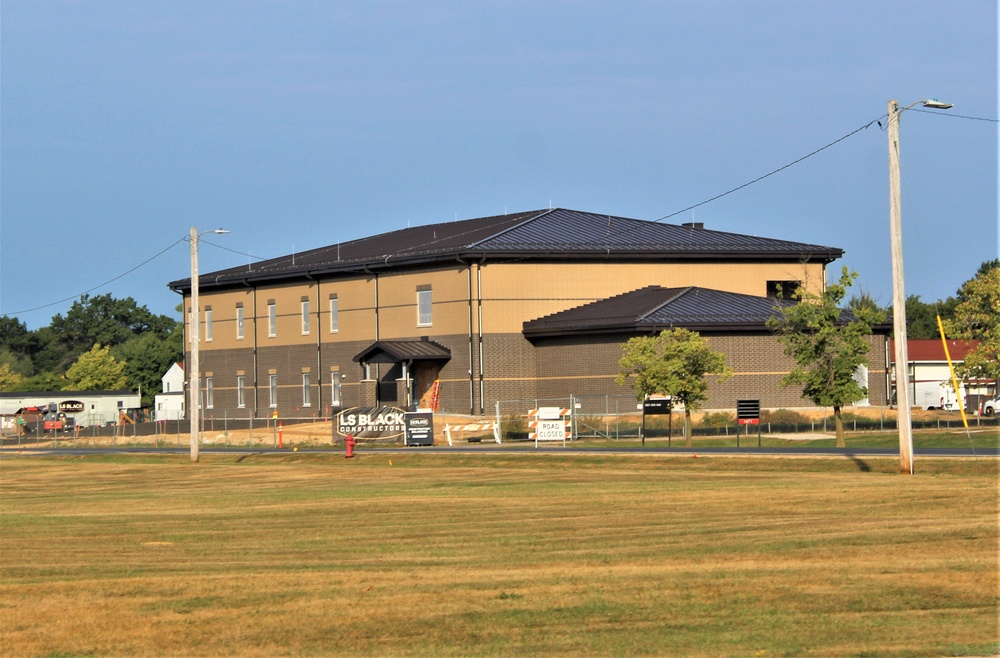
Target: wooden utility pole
{"points": [[904, 421], [194, 371]]}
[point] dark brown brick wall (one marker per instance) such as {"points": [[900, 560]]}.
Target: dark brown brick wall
{"points": [[513, 369]]}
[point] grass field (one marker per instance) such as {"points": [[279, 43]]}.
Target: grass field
{"points": [[483, 555]]}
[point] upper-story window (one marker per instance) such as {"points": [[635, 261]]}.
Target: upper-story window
{"points": [[783, 289], [424, 308], [334, 314], [272, 319], [239, 322], [305, 317], [208, 324]]}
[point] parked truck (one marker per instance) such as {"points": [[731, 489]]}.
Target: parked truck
{"points": [[936, 395]]}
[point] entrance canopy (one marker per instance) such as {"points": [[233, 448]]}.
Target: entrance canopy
{"points": [[403, 351]]}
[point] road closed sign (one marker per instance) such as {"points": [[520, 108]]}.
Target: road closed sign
{"points": [[549, 424]]}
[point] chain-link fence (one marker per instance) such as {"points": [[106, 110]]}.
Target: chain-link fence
{"points": [[215, 432]]}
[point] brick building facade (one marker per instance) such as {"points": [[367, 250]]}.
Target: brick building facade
{"points": [[379, 320]]}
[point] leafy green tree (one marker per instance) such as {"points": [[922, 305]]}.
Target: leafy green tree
{"points": [[921, 318], [828, 345], [147, 357], [674, 363], [8, 378], [96, 370], [19, 364], [977, 317], [107, 321], [43, 381]]}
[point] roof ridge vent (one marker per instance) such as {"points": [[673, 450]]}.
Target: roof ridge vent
{"points": [[693, 224]]}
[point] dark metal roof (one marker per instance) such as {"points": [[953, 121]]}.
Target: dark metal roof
{"points": [[655, 308], [536, 235], [396, 351]]}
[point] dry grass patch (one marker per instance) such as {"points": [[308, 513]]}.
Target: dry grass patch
{"points": [[496, 555]]}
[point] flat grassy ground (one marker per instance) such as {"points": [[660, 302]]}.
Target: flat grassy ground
{"points": [[485, 554]]}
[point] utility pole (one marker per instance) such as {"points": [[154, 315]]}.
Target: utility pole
{"points": [[904, 420], [194, 373]]}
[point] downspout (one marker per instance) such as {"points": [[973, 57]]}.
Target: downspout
{"points": [[256, 405], [472, 377], [479, 304], [319, 345], [378, 370]]}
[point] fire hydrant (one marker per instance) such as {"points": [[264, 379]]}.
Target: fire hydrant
{"points": [[349, 444]]}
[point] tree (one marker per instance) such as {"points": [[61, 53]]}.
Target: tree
{"points": [[828, 345], [108, 321], [96, 370], [8, 378], [674, 363], [977, 317], [921, 318], [147, 357]]}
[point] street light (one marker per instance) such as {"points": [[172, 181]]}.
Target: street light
{"points": [[194, 378], [904, 420]]}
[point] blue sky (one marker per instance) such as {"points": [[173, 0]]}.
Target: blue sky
{"points": [[299, 124]]}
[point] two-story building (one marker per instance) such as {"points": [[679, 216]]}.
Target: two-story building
{"points": [[470, 311]]}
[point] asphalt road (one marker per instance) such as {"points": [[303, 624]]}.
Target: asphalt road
{"points": [[513, 449]]}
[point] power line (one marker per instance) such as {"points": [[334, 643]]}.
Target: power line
{"points": [[767, 175], [98, 287], [955, 116]]}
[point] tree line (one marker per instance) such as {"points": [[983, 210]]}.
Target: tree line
{"points": [[102, 343]]}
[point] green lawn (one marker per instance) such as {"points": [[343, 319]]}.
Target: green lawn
{"points": [[487, 555]]}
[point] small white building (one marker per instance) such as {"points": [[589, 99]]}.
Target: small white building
{"points": [[930, 377], [170, 402], [87, 408]]}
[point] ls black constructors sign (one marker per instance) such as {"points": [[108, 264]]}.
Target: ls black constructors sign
{"points": [[748, 412]]}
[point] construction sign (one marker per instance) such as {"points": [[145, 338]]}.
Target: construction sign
{"points": [[549, 424]]}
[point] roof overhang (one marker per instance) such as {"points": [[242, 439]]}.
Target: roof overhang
{"points": [[403, 351]]}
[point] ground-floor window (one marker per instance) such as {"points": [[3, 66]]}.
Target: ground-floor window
{"points": [[306, 389], [273, 387]]}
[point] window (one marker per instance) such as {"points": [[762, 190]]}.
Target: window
{"points": [[209, 393], [273, 387], [335, 389], [334, 310], [208, 324], [239, 323], [783, 289], [424, 316], [305, 317], [241, 391], [306, 389], [272, 320]]}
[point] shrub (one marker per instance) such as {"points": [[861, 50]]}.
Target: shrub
{"points": [[718, 419], [783, 417]]}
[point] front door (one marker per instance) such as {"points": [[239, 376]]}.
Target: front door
{"points": [[425, 373]]}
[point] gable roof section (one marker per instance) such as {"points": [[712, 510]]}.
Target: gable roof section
{"points": [[539, 234], [654, 308], [396, 351]]}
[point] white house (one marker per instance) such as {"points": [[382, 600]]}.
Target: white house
{"points": [[170, 402]]}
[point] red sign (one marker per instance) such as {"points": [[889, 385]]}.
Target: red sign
{"points": [[749, 421]]}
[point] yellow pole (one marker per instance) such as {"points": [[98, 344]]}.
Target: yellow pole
{"points": [[954, 379]]}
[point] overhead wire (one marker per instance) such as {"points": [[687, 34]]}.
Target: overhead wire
{"points": [[98, 287]]}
